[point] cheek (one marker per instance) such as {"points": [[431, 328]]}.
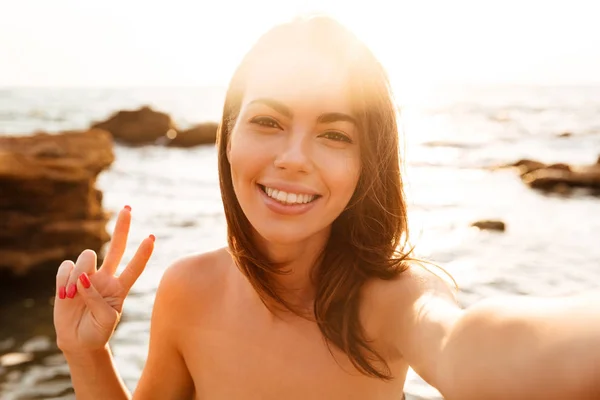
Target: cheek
{"points": [[247, 157], [343, 176], [240, 154]]}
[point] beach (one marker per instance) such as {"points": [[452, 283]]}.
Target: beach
{"points": [[453, 141]]}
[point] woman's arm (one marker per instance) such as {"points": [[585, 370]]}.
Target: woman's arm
{"points": [[522, 348], [94, 376], [165, 375], [529, 348]]}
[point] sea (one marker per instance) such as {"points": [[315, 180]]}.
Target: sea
{"points": [[453, 138]]}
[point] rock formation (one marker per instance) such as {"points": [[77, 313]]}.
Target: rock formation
{"points": [[559, 177], [50, 209], [200, 134], [137, 127], [146, 126], [493, 225]]}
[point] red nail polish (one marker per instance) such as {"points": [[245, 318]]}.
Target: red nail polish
{"points": [[62, 292], [71, 291], [152, 237], [128, 208], [85, 281]]}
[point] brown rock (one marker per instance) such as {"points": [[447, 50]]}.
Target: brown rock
{"points": [[561, 166], [548, 179], [137, 127], [49, 208], [565, 135], [525, 166], [29, 156], [200, 134], [559, 177], [562, 188], [490, 225]]}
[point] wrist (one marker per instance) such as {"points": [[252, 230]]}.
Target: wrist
{"points": [[84, 355]]}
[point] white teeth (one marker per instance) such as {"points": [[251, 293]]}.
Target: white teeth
{"points": [[282, 196], [289, 198]]}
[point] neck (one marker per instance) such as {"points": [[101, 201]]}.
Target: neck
{"points": [[298, 261]]}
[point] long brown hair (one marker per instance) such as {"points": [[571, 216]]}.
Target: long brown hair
{"points": [[369, 237]]}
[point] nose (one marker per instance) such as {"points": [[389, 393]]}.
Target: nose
{"points": [[294, 154]]}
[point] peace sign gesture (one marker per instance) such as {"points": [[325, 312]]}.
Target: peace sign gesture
{"points": [[89, 302]]}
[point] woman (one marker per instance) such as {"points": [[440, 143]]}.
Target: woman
{"points": [[316, 295]]}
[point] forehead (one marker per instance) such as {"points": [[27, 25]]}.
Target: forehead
{"points": [[300, 78]]}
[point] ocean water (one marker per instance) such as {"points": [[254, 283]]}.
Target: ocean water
{"points": [[451, 137]]}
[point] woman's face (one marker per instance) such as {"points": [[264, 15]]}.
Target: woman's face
{"points": [[294, 150]]}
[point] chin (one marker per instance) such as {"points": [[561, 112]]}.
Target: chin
{"points": [[284, 236]]}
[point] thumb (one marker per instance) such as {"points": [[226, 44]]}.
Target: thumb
{"points": [[102, 312]]}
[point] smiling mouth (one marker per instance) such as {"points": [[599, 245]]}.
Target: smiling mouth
{"points": [[289, 198]]}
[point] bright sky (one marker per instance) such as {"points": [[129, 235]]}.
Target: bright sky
{"points": [[194, 42]]}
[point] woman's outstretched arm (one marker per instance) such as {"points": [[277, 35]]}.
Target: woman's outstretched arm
{"points": [[517, 348], [524, 348]]}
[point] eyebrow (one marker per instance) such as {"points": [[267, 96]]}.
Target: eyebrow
{"points": [[326, 118]]}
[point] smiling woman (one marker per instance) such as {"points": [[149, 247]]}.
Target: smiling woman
{"points": [[316, 295], [308, 115]]}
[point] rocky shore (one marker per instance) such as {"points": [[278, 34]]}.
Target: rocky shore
{"points": [[559, 177], [50, 209], [146, 126]]}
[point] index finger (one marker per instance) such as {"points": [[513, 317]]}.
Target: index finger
{"points": [[118, 242]]}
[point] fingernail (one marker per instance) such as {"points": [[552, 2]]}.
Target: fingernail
{"points": [[71, 291], [62, 292], [85, 281], [128, 208], [152, 237]]}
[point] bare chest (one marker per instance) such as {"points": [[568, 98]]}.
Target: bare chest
{"points": [[244, 355]]}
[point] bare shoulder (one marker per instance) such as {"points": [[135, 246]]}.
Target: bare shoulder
{"points": [[209, 265], [392, 310], [409, 287], [195, 276]]}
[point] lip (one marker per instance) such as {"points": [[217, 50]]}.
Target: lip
{"points": [[283, 209], [289, 188]]}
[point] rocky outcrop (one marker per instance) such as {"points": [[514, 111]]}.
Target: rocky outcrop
{"points": [[494, 225], [526, 166], [549, 178], [147, 126], [200, 134], [137, 127], [558, 177], [50, 209]]}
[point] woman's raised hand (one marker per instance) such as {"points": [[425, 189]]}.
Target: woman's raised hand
{"points": [[89, 301]]}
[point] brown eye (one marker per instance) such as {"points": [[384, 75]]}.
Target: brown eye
{"points": [[265, 121], [336, 136]]}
